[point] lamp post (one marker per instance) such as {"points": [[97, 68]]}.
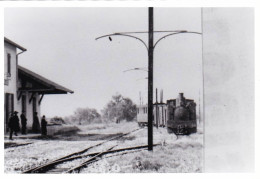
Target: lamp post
{"points": [[150, 48], [150, 80]]}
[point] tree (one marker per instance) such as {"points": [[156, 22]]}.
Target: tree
{"points": [[86, 115], [120, 108]]}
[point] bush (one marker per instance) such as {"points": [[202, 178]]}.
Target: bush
{"points": [[57, 120], [146, 165], [84, 116]]}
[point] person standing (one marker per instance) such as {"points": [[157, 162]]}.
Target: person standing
{"points": [[24, 122], [44, 125], [10, 126], [36, 123], [16, 123], [13, 124]]}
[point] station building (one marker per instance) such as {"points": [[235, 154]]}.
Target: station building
{"points": [[24, 89]]}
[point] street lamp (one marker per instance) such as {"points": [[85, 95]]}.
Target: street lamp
{"points": [[141, 69], [176, 32], [150, 49]]}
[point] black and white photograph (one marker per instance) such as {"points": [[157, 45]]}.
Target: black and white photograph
{"points": [[128, 90]]}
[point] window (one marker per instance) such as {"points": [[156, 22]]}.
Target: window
{"points": [[8, 64]]}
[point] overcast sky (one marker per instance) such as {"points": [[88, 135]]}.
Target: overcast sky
{"points": [[61, 46]]}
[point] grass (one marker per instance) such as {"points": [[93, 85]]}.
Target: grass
{"points": [[177, 155], [182, 155]]}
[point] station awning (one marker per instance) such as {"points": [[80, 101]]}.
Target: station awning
{"points": [[32, 82]]}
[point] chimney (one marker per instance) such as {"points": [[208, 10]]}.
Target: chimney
{"points": [[179, 99], [161, 96]]}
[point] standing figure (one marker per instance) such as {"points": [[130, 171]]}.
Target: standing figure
{"points": [[13, 124], [10, 126], [24, 122], [44, 125], [36, 123]]}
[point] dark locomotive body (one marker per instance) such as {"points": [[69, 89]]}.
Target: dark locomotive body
{"points": [[181, 116]]}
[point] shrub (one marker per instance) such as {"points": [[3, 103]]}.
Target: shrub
{"points": [[57, 120]]}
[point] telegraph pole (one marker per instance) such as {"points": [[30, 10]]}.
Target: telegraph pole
{"points": [[150, 80], [150, 49]]}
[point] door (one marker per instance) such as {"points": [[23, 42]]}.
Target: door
{"points": [[24, 104], [9, 108]]}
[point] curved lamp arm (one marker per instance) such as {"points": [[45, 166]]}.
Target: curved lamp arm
{"points": [[155, 31], [175, 33], [124, 35], [141, 69], [181, 32]]}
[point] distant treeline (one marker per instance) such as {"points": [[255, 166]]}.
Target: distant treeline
{"points": [[119, 108]]}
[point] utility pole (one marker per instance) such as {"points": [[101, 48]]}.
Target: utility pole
{"points": [[150, 49], [156, 109], [150, 80]]}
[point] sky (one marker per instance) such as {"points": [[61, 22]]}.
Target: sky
{"points": [[61, 46]]}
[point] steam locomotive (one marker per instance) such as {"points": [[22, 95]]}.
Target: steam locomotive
{"points": [[181, 116], [177, 115]]}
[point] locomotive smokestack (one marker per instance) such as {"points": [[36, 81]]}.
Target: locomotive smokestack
{"points": [[179, 99]]}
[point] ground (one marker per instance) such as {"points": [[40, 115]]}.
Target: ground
{"points": [[182, 154]]}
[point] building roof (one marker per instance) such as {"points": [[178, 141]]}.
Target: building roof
{"points": [[47, 86], [15, 44]]}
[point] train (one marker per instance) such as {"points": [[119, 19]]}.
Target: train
{"points": [[177, 115]]}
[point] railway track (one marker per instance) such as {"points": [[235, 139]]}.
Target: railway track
{"points": [[79, 155], [15, 145], [88, 161], [97, 156]]}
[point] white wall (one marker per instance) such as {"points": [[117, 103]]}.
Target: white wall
{"points": [[12, 86], [228, 54]]}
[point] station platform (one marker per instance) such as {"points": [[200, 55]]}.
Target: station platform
{"points": [[21, 136]]}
